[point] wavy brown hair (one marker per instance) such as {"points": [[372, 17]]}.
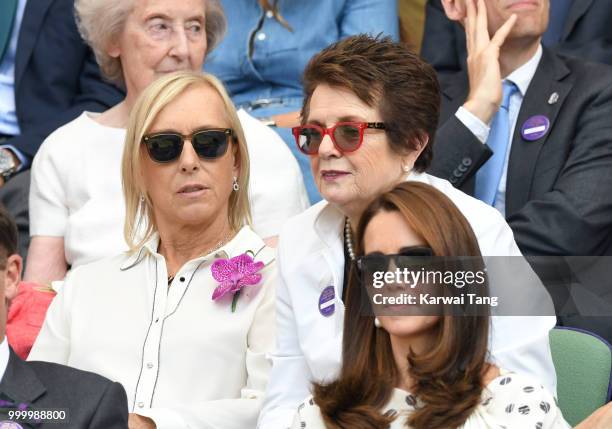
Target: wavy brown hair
{"points": [[448, 379]]}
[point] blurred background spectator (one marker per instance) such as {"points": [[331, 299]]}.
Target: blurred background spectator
{"points": [[577, 27], [269, 43], [412, 22], [48, 76]]}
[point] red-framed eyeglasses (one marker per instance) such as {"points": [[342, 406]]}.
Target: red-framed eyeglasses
{"points": [[346, 136]]}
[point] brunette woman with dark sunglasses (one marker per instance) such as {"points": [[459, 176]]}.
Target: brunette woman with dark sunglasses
{"points": [[422, 371]]}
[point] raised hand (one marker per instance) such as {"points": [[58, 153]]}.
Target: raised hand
{"points": [[484, 69]]}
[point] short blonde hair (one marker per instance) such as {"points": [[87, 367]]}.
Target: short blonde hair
{"points": [[99, 21], [139, 219]]}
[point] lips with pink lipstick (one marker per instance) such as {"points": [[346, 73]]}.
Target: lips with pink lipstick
{"points": [[332, 175], [192, 190]]}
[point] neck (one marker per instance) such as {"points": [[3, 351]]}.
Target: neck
{"points": [[401, 347], [515, 53], [179, 245]]}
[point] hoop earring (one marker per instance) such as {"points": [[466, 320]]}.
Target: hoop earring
{"points": [[377, 322], [236, 186]]}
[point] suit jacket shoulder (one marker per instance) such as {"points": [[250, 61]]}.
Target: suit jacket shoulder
{"points": [[90, 400]]}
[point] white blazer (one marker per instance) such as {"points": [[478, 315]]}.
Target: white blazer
{"points": [[310, 323]]}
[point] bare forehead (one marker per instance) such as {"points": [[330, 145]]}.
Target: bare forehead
{"points": [[196, 107], [388, 232], [330, 104]]}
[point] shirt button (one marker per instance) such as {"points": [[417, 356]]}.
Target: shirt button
{"points": [[157, 320], [270, 14], [140, 404], [149, 365], [182, 279], [261, 36]]}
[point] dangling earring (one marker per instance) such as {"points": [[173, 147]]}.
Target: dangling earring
{"points": [[236, 186], [377, 322]]}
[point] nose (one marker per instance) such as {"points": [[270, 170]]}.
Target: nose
{"points": [[189, 160], [327, 148], [180, 45]]}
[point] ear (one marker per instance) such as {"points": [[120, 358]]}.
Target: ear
{"points": [[455, 9], [410, 158], [236, 159], [114, 47], [12, 276]]}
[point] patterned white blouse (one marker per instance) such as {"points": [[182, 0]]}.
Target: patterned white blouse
{"points": [[510, 401]]}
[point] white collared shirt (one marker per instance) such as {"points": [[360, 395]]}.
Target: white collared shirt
{"points": [[4, 356], [185, 360], [521, 77]]}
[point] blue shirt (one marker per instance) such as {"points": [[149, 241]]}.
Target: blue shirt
{"points": [[8, 116], [274, 69]]}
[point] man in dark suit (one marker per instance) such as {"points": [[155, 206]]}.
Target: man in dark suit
{"points": [[529, 131], [577, 27], [553, 178], [48, 76], [89, 400]]}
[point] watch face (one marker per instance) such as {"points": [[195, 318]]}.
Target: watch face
{"points": [[6, 161]]}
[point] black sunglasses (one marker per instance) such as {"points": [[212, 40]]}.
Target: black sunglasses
{"points": [[381, 262], [208, 143]]}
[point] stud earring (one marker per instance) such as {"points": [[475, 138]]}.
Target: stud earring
{"points": [[236, 186], [377, 322], [406, 169]]}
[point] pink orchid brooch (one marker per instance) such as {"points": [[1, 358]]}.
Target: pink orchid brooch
{"points": [[234, 274]]}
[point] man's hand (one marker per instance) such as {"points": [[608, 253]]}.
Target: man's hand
{"points": [[136, 421], [484, 69]]}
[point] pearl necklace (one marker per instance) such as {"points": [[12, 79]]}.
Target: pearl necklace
{"points": [[348, 239]]}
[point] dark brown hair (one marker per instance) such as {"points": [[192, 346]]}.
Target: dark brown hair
{"points": [[8, 236], [448, 378], [387, 76]]}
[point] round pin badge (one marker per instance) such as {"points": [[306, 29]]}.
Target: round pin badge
{"points": [[326, 301], [7, 424], [535, 128]]}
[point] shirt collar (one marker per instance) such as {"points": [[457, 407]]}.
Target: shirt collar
{"points": [[4, 356], [245, 240], [523, 75]]}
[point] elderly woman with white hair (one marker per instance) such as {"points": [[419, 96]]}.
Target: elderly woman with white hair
{"points": [[184, 319], [76, 209]]}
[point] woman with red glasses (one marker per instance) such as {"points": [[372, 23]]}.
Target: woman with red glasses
{"points": [[368, 123], [184, 319]]}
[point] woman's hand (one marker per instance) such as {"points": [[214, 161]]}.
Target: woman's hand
{"points": [[484, 70], [600, 419], [136, 421]]}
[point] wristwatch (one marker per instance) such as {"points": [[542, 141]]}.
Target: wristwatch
{"points": [[7, 164]]}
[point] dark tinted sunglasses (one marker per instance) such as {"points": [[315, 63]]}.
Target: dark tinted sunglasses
{"points": [[209, 144], [346, 136], [407, 258]]}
